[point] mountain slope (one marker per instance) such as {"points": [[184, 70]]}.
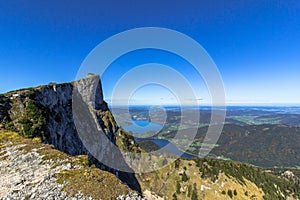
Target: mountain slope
{"points": [[33, 170], [217, 179], [266, 145]]}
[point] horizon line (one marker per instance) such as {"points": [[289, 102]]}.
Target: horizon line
{"points": [[209, 105]]}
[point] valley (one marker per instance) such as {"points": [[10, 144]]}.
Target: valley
{"points": [[262, 136]]}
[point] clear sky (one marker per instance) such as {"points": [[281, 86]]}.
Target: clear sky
{"points": [[255, 44]]}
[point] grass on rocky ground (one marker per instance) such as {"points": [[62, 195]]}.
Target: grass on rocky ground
{"points": [[91, 181]]}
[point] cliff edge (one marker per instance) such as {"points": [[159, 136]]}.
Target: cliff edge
{"points": [[49, 112]]}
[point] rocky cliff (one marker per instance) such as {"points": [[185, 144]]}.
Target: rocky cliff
{"points": [[50, 112], [46, 112]]}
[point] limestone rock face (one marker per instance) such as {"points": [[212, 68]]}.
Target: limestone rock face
{"points": [[46, 112], [90, 89], [74, 118]]}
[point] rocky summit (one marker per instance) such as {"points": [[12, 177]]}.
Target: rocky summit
{"points": [[44, 135]]}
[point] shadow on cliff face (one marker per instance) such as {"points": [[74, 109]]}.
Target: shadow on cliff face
{"points": [[100, 142], [98, 136]]}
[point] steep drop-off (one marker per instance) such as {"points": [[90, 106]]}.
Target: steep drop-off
{"points": [[48, 112]]}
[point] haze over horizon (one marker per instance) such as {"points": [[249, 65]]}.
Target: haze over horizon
{"points": [[254, 44]]}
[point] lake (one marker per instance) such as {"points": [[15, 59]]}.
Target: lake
{"points": [[168, 146], [142, 126]]}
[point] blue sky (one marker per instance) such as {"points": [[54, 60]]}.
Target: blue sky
{"points": [[255, 44]]}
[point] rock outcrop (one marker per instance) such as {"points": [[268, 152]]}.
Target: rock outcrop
{"points": [[46, 111], [24, 177], [56, 112]]}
